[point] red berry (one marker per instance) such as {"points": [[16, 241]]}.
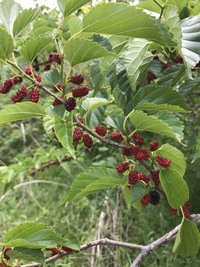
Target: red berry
{"points": [[20, 95], [70, 104], [17, 79], [140, 153], [155, 177], [167, 65], [54, 251], [153, 145], [117, 136], [122, 167], [133, 177], [163, 161], [101, 130], [50, 59], [37, 78], [2, 265], [77, 135], [5, 255], [77, 79], [150, 77], [57, 102], [87, 140], [28, 70], [128, 151], [143, 177], [69, 250], [8, 84], [58, 87], [137, 138], [34, 95], [172, 211], [80, 91], [186, 211], [179, 59], [47, 67], [146, 199], [57, 58]]}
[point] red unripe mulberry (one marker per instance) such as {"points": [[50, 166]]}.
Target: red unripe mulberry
{"points": [[87, 140], [80, 91], [20, 95], [133, 177], [77, 134], [163, 161], [34, 95], [146, 199], [37, 78], [58, 87], [101, 130], [143, 177], [70, 104], [155, 177], [137, 138], [153, 145], [8, 84], [117, 136], [57, 58], [77, 79], [57, 102], [122, 167]]}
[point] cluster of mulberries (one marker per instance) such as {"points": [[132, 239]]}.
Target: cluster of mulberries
{"points": [[86, 138], [52, 58]]}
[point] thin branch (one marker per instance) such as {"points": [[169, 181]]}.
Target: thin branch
{"points": [[144, 250]]}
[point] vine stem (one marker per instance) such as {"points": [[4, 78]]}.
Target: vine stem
{"points": [[145, 250]]}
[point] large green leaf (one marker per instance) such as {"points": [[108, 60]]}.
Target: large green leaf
{"points": [[6, 44], [188, 239], [36, 255], [64, 132], [91, 103], [197, 153], [178, 162], [191, 40], [21, 111], [79, 50], [175, 187], [144, 122], [71, 241], [31, 235], [23, 19], [122, 19], [93, 180], [34, 46], [9, 10], [73, 5], [135, 57], [155, 97]]}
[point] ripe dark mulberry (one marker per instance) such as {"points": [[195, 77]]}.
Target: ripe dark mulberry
{"points": [[77, 134], [87, 140], [34, 95], [101, 130], [20, 95], [163, 161], [133, 177], [70, 104], [80, 91], [154, 197], [122, 167], [137, 138], [77, 79]]}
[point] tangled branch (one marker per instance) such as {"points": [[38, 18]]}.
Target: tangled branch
{"points": [[145, 250]]}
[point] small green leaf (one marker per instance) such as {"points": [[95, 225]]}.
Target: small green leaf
{"points": [[27, 254], [71, 241], [94, 102], [34, 46], [137, 192], [127, 196], [64, 132], [31, 235], [197, 153], [122, 19], [73, 5], [144, 122], [24, 19], [188, 239], [93, 180], [175, 187], [79, 50], [6, 44], [52, 77], [21, 111], [178, 162]]}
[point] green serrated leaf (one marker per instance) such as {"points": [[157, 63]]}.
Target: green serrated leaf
{"points": [[71, 241], [36, 255], [121, 19], [93, 180], [94, 102], [197, 153], [9, 10], [34, 46], [175, 187], [64, 132], [31, 235], [23, 19], [127, 196], [159, 96], [79, 50], [137, 192], [21, 111], [155, 107], [144, 122], [6, 44], [73, 5], [52, 77], [188, 239], [178, 162]]}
